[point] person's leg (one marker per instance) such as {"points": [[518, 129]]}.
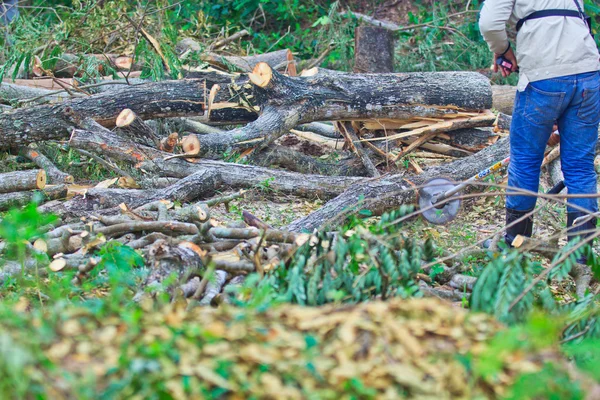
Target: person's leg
{"points": [[536, 110], [578, 128]]}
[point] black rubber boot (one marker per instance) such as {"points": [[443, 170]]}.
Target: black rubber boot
{"points": [[581, 273], [523, 227]]}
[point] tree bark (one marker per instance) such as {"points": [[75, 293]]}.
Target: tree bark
{"points": [[12, 93], [233, 175], [18, 199], [390, 192], [373, 50], [247, 176], [55, 176], [296, 161], [130, 125], [472, 140], [55, 122]]}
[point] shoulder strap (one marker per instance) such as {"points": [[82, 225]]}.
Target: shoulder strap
{"points": [[549, 13], [581, 13]]}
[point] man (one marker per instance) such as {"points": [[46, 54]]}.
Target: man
{"points": [[559, 83]]}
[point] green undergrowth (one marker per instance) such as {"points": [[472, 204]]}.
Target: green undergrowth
{"points": [[368, 261], [440, 40]]}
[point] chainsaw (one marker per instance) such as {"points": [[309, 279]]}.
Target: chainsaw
{"points": [[436, 198]]}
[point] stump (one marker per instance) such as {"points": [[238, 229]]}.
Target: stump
{"points": [[373, 50]]}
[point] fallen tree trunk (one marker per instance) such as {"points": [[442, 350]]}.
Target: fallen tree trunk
{"points": [[248, 176], [281, 102], [284, 102], [379, 195], [55, 122], [233, 175]]}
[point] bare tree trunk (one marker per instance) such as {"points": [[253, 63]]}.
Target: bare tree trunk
{"points": [[373, 50]]}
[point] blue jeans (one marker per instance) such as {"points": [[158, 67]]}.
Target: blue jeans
{"points": [[8, 11], [572, 102]]}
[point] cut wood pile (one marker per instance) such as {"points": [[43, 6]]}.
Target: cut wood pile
{"points": [[401, 348], [359, 141]]}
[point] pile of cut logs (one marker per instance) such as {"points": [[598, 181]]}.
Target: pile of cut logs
{"points": [[342, 137]]}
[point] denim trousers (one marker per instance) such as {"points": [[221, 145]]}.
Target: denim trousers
{"points": [[573, 103]]}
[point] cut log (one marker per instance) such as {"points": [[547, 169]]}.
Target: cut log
{"points": [[284, 103], [373, 50], [18, 199], [240, 176], [55, 122], [214, 287], [132, 126], [190, 145], [55, 176], [10, 93], [98, 139], [20, 181], [276, 60], [201, 184], [504, 98], [169, 143], [392, 191]]}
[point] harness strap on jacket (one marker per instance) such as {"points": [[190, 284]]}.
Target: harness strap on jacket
{"points": [[548, 13]]}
